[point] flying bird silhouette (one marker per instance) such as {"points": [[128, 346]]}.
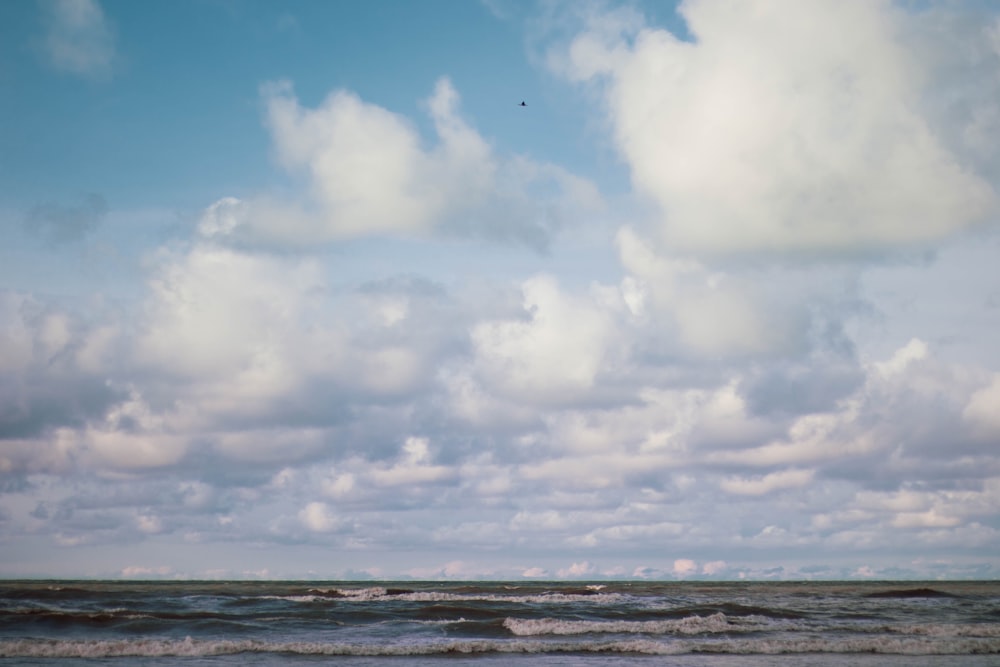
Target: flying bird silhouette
{"points": [[522, 104]]}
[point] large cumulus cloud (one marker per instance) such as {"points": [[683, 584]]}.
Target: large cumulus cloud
{"points": [[367, 171], [785, 128]]}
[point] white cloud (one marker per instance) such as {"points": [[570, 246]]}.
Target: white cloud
{"points": [[368, 172], [339, 485], [471, 402], [549, 521], [145, 571], [714, 567], [54, 367], [237, 335], [929, 519], [708, 313], [51, 455], [912, 352], [366, 164], [149, 524], [577, 570], [124, 450], [270, 445], [781, 128], [910, 508], [214, 312], [414, 467], [684, 567], [551, 480], [79, 38], [636, 533], [222, 217], [908, 413], [775, 481], [455, 569], [318, 517], [983, 410], [552, 354], [224, 337]]}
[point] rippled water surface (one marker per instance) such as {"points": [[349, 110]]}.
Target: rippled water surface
{"points": [[544, 623]]}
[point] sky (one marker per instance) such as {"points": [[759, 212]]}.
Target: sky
{"points": [[300, 290]]}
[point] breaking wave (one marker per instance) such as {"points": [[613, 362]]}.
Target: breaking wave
{"points": [[55, 648], [589, 594], [692, 625]]}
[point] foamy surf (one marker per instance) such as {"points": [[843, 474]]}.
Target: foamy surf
{"points": [[691, 625], [593, 596], [272, 624], [188, 648]]}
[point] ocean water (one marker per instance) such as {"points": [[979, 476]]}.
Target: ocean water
{"points": [[406, 624]]}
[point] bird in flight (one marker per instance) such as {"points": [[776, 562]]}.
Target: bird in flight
{"points": [[522, 104]]}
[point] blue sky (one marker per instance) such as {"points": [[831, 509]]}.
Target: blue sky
{"points": [[299, 290]]}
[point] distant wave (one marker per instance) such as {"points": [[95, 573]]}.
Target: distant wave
{"points": [[946, 630], [79, 618], [911, 593], [376, 593], [200, 648]]}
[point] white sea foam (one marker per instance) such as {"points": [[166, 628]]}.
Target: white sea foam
{"points": [[363, 594], [295, 598], [379, 594], [948, 629], [690, 625], [199, 648]]}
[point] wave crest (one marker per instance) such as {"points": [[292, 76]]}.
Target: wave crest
{"points": [[690, 625], [57, 648], [590, 595]]}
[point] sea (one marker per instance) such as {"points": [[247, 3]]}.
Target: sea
{"points": [[452, 624]]}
